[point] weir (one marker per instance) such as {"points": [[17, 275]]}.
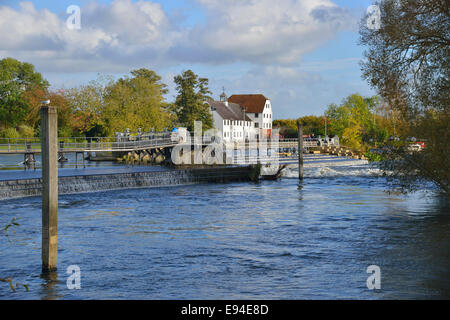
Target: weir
{"points": [[20, 188]]}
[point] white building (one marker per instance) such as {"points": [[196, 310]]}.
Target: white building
{"points": [[258, 108], [242, 117]]}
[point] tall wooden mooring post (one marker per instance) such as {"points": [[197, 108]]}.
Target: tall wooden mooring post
{"points": [[300, 150], [49, 151]]}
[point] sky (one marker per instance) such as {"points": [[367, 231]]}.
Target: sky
{"points": [[301, 54]]}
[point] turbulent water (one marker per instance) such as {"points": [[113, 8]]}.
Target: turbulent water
{"points": [[268, 240]]}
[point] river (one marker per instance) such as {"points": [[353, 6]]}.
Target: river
{"points": [[267, 240]]}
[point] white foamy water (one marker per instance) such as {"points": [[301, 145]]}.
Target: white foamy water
{"points": [[316, 166], [358, 168]]}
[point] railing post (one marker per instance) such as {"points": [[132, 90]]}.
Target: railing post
{"points": [[49, 146]]}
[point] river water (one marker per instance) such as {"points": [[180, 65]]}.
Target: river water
{"points": [[267, 240]]}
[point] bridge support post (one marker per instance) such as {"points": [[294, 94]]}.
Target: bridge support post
{"points": [[300, 150], [49, 147]]}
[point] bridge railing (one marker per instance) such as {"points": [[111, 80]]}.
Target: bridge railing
{"points": [[148, 139], [115, 144], [82, 143], [19, 144]]}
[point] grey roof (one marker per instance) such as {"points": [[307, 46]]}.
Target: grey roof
{"points": [[233, 112]]}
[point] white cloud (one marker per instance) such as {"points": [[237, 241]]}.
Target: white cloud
{"points": [[122, 35], [112, 38], [266, 31], [248, 46]]}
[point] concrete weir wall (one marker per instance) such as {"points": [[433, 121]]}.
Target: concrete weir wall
{"points": [[90, 183]]}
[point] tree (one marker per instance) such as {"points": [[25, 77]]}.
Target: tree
{"points": [[190, 104], [287, 127], [407, 62], [312, 125], [17, 79], [65, 113], [355, 121], [136, 102], [87, 105]]}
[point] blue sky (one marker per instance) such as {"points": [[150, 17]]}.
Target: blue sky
{"points": [[302, 54]]}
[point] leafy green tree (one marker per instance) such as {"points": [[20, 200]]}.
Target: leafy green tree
{"points": [[190, 103], [105, 106], [87, 106], [287, 127], [312, 125], [407, 62], [17, 78], [136, 102], [354, 121]]}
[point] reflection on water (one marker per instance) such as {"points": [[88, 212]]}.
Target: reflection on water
{"points": [[49, 286], [269, 240]]}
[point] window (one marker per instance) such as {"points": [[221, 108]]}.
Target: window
{"points": [[256, 125], [256, 115]]}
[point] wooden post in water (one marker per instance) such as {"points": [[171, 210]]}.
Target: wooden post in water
{"points": [[49, 145], [300, 150]]}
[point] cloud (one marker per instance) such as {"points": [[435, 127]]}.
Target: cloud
{"points": [[248, 46], [121, 35], [112, 37], [292, 91], [264, 31]]}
